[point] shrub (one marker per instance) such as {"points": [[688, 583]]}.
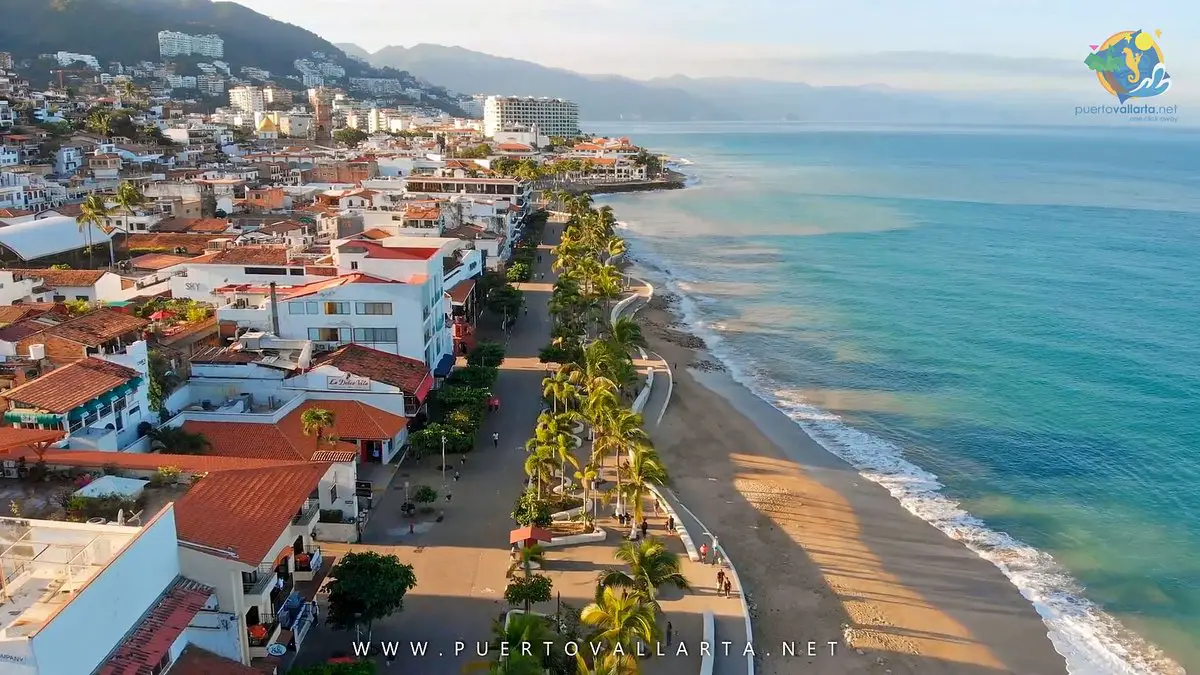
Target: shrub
{"points": [[531, 509], [529, 590], [429, 440], [478, 377], [424, 494], [465, 419], [489, 354], [165, 475]]}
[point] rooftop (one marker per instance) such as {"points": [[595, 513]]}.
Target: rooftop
{"points": [[410, 375], [44, 564], [245, 511], [379, 251], [56, 278], [152, 638], [97, 327], [251, 255], [64, 389], [197, 661]]}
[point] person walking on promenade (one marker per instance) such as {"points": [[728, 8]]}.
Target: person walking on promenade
{"points": [[645, 528], [670, 523], [728, 588], [456, 475], [495, 439], [704, 553], [670, 632], [720, 581], [388, 658]]}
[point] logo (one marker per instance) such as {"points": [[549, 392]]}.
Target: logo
{"points": [[1130, 65]]}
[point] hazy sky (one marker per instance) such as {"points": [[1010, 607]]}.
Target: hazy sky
{"points": [[777, 39]]}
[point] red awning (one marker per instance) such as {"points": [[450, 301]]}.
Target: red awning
{"points": [[528, 535], [422, 391]]}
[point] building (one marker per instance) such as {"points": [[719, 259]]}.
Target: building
{"points": [[63, 285], [7, 119], [247, 99], [267, 130], [171, 44], [322, 103], [551, 116], [65, 59], [473, 106], [103, 332]]}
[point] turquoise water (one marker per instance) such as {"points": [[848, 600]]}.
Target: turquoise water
{"points": [[1001, 326]]}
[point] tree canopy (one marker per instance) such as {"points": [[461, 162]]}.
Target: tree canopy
{"points": [[367, 587]]}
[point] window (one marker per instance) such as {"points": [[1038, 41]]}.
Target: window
{"points": [[90, 418], [295, 308], [312, 307], [276, 271], [333, 493], [135, 411], [119, 405], [323, 334], [83, 298], [353, 264], [375, 335], [337, 308], [106, 410], [60, 298], [75, 425], [296, 272], [374, 308]]}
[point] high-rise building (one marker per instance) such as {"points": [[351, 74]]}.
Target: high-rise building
{"points": [[247, 99], [171, 43], [551, 116]]}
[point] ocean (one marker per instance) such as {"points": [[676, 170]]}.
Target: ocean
{"points": [[1001, 326]]}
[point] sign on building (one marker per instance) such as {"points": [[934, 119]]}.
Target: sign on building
{"points": [[347, 383]]}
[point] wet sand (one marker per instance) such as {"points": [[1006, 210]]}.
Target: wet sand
{"points": [[824, 553]]}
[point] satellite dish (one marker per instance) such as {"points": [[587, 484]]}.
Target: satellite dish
{"points": [[276, 649]]}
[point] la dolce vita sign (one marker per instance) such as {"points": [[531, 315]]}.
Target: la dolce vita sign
{"points": [[347, 383]]}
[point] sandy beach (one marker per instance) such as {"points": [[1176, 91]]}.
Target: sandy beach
{"points": [[825, 554]]}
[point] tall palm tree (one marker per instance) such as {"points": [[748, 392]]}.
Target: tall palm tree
{"points": [[622, 431], [627, 333], [651, 566], [128, 198], [519, 629], [528, 556], [93, 213], [562, 387], [620, 619], [643, 470], [541, 462], [607, 663], [587, 475], [315, 422]]}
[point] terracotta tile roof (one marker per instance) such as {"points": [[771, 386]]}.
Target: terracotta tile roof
{"points": [[257, 441], [208, 225], [514, 147], [193, 243], [157, 261], [461, 291], [376, 233], [95, 328], [317, 286], [379, 251], [16, 441], [410, 375], [422, 213], [150, 461], [335, 456], [144, 647], [352, 420], [251, 255], [197, 661], [56, 278], [64, 389], [13, 313], [247, 510]]}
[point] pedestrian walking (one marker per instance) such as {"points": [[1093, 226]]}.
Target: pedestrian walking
{"points": [[456, 474], [720, 581], [526, 311], [670, 632], [704, 552], [462, 459], [728, 588], [495, 439], [645, 528], [671, 523]]}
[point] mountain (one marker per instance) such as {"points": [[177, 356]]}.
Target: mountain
{"points": [[605, 97], [127, 31]]}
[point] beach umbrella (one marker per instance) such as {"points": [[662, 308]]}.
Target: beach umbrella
{"points": [[162, 314]]}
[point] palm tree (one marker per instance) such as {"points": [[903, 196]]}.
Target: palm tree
{"points": [[128, 198], [621, 432], [93, 212], [315, 421], [101, 122], [528, 556], [620, 619], [607, 663], [177, 441], [519, 629], [651, 566], [562, 386], [627, 333], [644, 469], [587, 476], [541, 462]]}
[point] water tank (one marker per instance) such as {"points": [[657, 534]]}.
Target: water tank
{"points": [[37, 352]]}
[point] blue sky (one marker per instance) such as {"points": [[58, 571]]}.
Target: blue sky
{"points": [[775, 39]]}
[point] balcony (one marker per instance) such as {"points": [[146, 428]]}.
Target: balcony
{"points": [[307, 514], [308, 563], [257, 582]]}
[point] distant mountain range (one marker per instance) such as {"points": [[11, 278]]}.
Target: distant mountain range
{"points": [[679, 98]]}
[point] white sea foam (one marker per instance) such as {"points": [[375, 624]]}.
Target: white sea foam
{"points": [[1091, 641]]}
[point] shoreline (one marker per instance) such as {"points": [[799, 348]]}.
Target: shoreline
{"points": [[847, 561]]}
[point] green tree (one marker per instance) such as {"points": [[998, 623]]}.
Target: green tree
{"points": [[424, 495], [619, 619], [531, 509], [367, 587], [315, 422], [428, 441], [527, 557], [651, 566], [128, 198], [518, 272], [642, 470], [529, 590], [479, 377], [349, 136], [178, 441], [488, 354], [93, 213]]}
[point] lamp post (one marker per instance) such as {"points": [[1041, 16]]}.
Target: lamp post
{"points": [[443, 462]]}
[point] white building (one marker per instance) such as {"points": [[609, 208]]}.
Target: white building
{"points": [[6, 115], [551, 116], [81, 598], [65, 59], [60, 285], [247, 99], [171, 44], [473, 106]]}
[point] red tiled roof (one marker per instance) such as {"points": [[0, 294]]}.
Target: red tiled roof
{"points": [[251, 255], [376, 233], [97, 327], [156, 261], [193, 243], [56, 278], [352, 419], [144, 647], [19, 440], [69, 387], [13, 313], [257, 441], [317, 286], [410, 375], [382, 252], [246, 511], [197, 661], [150, 461], [334, 456], [461, 291]]}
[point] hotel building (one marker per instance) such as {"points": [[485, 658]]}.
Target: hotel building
{"points": [[551, 116], [171, 43]]}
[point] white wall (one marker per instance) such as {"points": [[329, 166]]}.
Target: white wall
{"points": [[214, 629], [83, 633], [202, 279], [224, 575]]}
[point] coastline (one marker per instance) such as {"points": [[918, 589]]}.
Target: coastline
{"points": [[825, 553]]}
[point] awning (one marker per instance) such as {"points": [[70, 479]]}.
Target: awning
{"points": [[444, 366]]}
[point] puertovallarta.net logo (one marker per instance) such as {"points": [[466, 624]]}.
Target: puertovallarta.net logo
{"points": [[1130, 65]]}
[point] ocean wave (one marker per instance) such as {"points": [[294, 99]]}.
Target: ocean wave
{"points": [[1089, 640]]}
